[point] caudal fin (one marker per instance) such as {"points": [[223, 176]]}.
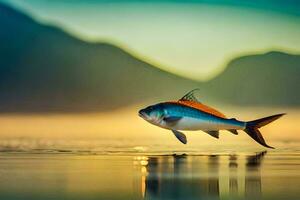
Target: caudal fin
{"points": [[253, 126]]}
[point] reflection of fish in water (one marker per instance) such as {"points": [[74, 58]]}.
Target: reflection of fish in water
{"points": [[172, 177], [253, 187], [198, 177], [189, 114]]}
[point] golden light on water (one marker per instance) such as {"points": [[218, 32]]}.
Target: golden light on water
{"points": [[111, 126], [127, 177]]}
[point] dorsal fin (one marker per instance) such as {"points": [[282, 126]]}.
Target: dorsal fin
{"points": [[190, 96]]}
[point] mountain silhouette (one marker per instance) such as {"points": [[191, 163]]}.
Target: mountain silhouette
{"points": [[44, 69], [270, 79]]}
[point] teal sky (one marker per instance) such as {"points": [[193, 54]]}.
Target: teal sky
{"points": [[193, 39]]}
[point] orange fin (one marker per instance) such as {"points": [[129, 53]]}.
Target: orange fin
{"points": [[201, 107], [190, 100]]}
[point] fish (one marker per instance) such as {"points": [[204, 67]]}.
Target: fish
{"points": [[190, 114]]}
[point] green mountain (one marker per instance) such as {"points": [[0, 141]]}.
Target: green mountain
{"points": [[44, 69], [271, 79]]}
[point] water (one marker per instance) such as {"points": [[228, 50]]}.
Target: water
{"points": [[93, 173]]}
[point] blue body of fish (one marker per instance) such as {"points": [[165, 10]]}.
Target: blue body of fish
{"points": [[193, 119]]}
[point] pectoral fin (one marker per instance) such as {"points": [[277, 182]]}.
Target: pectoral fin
{"points": [[214, 134], [180, 136], [233, 131], [171, 120]]}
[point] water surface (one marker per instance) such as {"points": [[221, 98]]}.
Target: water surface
{"points": [[89, 175]]}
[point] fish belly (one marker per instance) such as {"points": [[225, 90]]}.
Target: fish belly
{"points": [[188, 123]]}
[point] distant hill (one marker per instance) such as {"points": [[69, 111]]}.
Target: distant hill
{"points": [[44, 69], [271, 79]]}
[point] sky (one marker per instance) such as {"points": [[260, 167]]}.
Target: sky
{"points": [[195, 39]]}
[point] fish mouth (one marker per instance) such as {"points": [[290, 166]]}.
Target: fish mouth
{"points": [[143, 114]]}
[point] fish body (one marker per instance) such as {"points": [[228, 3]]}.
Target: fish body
{"points": [[190, 114], [193, 119]]}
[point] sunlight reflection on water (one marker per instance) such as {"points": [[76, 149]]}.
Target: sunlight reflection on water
{"points": [[81, 174], [129, 147]]}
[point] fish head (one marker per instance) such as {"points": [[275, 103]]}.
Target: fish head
{"points": [[153, 114]]}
